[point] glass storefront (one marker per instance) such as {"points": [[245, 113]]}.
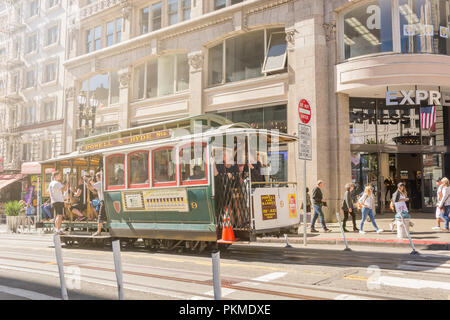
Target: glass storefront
{"points": [[392, 144], [368, 28], [372, 122]]}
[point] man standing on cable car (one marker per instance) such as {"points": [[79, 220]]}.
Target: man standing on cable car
{"points": [[98, 188]]}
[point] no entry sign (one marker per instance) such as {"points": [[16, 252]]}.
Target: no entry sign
{"points": [[304, 111]]}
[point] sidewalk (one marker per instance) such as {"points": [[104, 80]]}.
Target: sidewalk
{"points": [[422, 234]]}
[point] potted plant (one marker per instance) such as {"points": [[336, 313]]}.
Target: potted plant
{"points": [[13, 209]]}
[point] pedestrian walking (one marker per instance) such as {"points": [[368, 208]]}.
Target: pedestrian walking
{"points": [[439, 214], [347, 206], [318, 202], [367, 203], [444, 204], [56, 190]]}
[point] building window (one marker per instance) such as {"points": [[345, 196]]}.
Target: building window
{"points": [[186, 8], [15, 82], [53, 3], [424, 26], [219, 4], [48, 110], [50, 72], [138, 168], [193, 164], [113, 32], [52, 35], [89, 46], [115, 171], [30, 79], [245, 56], [275, 59], [368, 29], [164, 167], [26, 152], [153, 17], [97, 38], [269, 118], [144, 20], [119, 23], [34, 8], [29, 115], [156, 16], [162, 76], [172, 11], [47, 149], [110, 33], [32, 43], [102, 87]]}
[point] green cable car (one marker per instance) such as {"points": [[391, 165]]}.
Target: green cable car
{"points": [[182, 184]]}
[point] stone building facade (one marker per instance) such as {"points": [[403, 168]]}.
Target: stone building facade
{"points": [[31, 81], [146, 61]]}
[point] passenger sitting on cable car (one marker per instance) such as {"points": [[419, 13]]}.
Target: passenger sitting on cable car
{"points": [[79, 204], [198, 173]]}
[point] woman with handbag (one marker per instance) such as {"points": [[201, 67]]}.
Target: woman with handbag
{"points": [[444, 204], [347, 207], [367, 202]]}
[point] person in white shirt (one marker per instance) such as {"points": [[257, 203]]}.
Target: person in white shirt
{"points": [[367, 202], [439, 215], [97, 187], [56, 190], [444, 204]]}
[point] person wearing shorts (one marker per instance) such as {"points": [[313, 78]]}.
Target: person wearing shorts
{"points": [[56, 190]]}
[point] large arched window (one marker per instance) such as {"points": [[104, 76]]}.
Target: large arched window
{"points": [[115, 172], [138, 173]]}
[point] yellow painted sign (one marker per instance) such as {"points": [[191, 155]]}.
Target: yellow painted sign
{"points": [[127, 140]]}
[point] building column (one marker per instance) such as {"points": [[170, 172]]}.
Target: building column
{"points": [[70, 117], [196, 82], [308, 79], [124, 92]]}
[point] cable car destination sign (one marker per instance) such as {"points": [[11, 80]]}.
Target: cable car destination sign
{"points": [[146, 137]]}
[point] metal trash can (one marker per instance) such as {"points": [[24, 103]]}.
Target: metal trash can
{"points": [[401, 234]]}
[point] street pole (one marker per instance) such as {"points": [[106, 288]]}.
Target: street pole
{"points": [[343, 232], [305, 237], [59, 260], [118, 267], [38, 196], [216, 275]]}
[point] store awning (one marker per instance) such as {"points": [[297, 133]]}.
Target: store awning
{"points": [[7, 179], [31, 168]]}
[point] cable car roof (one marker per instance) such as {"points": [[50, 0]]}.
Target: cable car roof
{"points": [[178, 136]]}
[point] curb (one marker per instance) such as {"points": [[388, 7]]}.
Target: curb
{"points": [[400, 243]]}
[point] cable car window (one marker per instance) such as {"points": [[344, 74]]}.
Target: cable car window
{"points": [[138, 164], [115, 171], [164, 166], [193, 164]]}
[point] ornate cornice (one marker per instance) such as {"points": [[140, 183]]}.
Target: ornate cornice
{"points": [[197, 28]]}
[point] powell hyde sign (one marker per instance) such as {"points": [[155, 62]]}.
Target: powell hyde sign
{"points": [[127, 140], [417, 97]]}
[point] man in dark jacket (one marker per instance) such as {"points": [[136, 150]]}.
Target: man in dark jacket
{"points": [[318, 202]]}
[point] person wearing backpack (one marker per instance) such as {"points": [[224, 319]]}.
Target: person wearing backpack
{"points": [[444, 204], [367, 202], [347, 207]]}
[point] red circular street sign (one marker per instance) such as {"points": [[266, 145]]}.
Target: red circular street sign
{"points": [[304, 111]]}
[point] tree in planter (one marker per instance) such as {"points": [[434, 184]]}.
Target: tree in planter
{"points": [[13, 209]]}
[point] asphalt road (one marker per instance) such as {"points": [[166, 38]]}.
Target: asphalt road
{"points": [[28, 270]]}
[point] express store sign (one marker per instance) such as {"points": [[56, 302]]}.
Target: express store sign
{"points": [[417, 98]]}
